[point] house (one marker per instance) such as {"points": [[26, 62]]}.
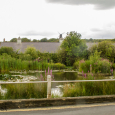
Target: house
{"points": [[50, 47]]}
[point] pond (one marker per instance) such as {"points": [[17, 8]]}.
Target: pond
{"points": [[57, 76]]}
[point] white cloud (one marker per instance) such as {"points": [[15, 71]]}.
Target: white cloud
{"points": [[99, 4], [36, 19]]}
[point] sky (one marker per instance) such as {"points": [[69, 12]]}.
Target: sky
{"points": [[37, 19]]}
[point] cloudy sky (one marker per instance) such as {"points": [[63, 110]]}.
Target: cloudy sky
{"points": [[37, 19]]}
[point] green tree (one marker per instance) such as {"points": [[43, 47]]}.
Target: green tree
{"points": [[53, 40], [43, 40], [25, 40], [13, 40], [106, 48], [72, 48], [9, 51], [32, 52], [34, 40]]}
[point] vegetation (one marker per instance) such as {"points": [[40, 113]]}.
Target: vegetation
{"points": [[95, 64], [72, 48], [98, 40], [8, 63], [89, 88], [106, 48], [13, 40], [24, 91]]}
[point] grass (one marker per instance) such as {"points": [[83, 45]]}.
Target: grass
{"points": [[24, 91], [89, 88], [13, 64]]}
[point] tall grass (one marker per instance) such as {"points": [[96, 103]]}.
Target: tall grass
{"points": [[89, 88], [7, 63], [24, 91]]}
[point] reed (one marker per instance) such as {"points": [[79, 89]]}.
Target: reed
{"points": [[24, 91], [12, 64], [89, 88]]}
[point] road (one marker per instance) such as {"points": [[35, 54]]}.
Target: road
{"points": [[87, 109]]}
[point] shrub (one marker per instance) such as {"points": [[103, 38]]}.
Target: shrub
{"points": [[32, 52], [57, 66], [95, 64]]}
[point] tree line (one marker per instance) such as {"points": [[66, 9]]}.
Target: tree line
{"points": [[35, 40]]}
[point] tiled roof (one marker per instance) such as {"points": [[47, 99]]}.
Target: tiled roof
{"points": [[50, 47]]}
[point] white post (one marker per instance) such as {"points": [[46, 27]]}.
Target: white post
{"points": [[49, 86], [0, 88]]}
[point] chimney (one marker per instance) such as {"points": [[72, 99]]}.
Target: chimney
{"points": [[19, 40], [4, 40]]}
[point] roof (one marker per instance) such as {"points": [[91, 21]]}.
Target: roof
{"points": [[50, 47]]}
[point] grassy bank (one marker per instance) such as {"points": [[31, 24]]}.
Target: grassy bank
{"points": [[24, 91], [89, 88]]}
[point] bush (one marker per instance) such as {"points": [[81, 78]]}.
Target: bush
{"points": [[32, 52], [95, 64], [57, 66], [76, 65], [25, 56]]}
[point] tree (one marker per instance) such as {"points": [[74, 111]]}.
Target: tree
{"points": [[32, 52], [53, 40], [106, 48], [34, 40], [13, 40], [72, 48], [8, 50], [25, 40], [43, 40]]}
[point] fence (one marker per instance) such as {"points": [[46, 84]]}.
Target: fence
{"points": [[49, 83]]}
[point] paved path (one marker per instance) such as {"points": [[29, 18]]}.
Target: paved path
{"points": [[87, 109]]}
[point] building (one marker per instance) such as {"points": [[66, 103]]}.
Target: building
{"points": [[50, 47]]}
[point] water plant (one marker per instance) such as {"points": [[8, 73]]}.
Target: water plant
{"points": [[43, 77], [8, 63], [6, 77]]}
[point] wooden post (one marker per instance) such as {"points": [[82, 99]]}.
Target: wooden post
{"points": [[0, 88], [49, 86]]}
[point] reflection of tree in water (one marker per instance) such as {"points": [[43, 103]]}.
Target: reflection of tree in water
{"points": [[65, 75]]}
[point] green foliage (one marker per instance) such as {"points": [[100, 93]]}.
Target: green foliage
{"points": [[25, 56], [13, 40], [89, 88], [43, 40], [9, 77], [98, 40], [76, 65], [25, 91], [57, 66], [96, 63], [106, 48], [71, 48], [8, 50], [25, 40], [32, 52], [53, 40], [34, 40]]}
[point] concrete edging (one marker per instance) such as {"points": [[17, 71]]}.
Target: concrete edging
{"points": [[33, 103]]}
